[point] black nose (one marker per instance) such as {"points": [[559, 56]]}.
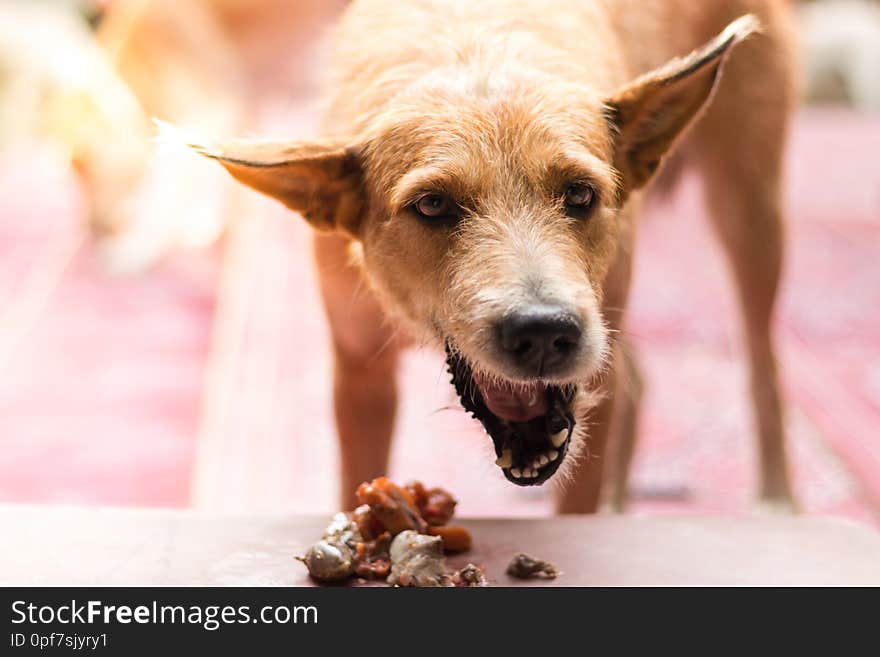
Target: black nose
{"points": [[541, 339]]}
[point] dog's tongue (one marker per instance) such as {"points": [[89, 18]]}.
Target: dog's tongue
{"points": [[519, 404]]}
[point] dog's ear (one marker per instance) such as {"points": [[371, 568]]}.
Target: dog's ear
{"points": [[322, 180], [651, 112]]}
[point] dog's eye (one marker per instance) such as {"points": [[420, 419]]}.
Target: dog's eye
{"points": [[435, 206], [579, 198]]}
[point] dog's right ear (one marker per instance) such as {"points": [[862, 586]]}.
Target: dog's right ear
{"points": [[321, 179], [651, 113]]}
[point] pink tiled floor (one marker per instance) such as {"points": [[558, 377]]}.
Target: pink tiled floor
{"points": [[100, 396]]}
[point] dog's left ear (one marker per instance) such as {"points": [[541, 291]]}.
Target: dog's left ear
{"points": [[650, 113], [322, 179]]}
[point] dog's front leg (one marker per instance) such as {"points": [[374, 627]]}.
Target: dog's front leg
{"points": [[364, 374], [365, 403], [582, 493], [624, 431]]}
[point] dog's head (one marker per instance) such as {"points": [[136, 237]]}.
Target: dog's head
{"points": [[486, 209]]}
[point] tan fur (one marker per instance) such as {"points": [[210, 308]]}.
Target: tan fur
{"points": [[501, 105]]}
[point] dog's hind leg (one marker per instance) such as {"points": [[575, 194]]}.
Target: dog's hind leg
{"points": [[747, 219], [364, 375], [739, 146]]}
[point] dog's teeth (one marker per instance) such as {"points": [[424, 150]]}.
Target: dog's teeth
{"points": [[505, 460], [558, 439], [544, 460], [516, 473], [533, 399], [553, 454]]}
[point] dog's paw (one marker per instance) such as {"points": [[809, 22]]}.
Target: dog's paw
{"points": [[777, 506]]}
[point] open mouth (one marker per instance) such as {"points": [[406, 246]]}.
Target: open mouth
{"points": [[530, 423]]}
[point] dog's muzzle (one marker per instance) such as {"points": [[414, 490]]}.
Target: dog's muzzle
{"points": [[530, 424]]}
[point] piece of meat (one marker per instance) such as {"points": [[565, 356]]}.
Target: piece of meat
{"points": [[392, 505], [344, 529], [417, 560], [436, 505], [378, 569], [368, 525], [525, 567], [334, 557], [455, 538], [470, 576], [418, 492], [329, 561], [373, 557], [439, 507]]}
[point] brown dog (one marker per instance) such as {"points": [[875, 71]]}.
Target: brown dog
{"points": [[481, 169]]}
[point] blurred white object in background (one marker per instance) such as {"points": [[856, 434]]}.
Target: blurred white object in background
{"points": [[841, 42], [91, 97], [56, 84]]}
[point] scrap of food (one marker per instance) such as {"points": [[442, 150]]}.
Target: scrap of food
{"points": [[399, 534], [525, 567]]}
